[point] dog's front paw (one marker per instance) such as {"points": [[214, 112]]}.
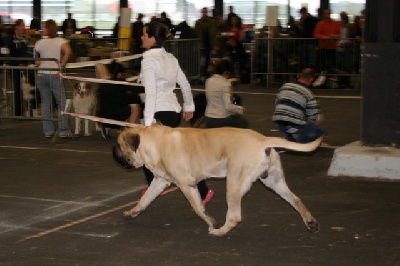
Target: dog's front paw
{"points": [[216, 232], [313, 226], [88, 134], [130, 214]]}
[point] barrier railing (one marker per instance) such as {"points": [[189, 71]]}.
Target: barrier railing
{"points": [[280, 59], [22, 98], [187, 51]]}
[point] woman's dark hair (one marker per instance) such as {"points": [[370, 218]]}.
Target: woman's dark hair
{"points": [[158, 31], [115, 68], [223, 65]]}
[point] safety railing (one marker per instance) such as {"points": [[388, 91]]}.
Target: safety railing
{"points": [[280, 59], [187, 51], [22, 97]]}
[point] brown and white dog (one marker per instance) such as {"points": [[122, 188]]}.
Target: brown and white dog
{"points": [[84, 102], [185, 156]]}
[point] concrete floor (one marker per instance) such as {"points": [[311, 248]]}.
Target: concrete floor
{"points": [[62, 203]]}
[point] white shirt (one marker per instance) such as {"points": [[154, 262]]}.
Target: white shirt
{"points": [[50, 48], [160, 72], [218, 93]]}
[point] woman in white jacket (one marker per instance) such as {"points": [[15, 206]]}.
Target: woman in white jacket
{"points": [[160, 72]]}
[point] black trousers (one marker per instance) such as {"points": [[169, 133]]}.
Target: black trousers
{"points": [[173, 119]]}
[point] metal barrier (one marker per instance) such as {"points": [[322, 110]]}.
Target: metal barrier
{"points": [[21, 95], [187, 51], [280, 59]]}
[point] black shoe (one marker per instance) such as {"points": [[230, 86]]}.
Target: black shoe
{"points": [[104, 133]]}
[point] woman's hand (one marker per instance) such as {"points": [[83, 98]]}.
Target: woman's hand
{"points": [[187, 116]]}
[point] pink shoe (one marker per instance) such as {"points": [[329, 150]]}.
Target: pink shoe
{"points": [[209, 196]]}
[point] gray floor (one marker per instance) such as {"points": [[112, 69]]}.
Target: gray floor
{"points": [[62, 203]]}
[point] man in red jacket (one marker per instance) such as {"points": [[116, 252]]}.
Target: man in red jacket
{"points": [[327, 31]]}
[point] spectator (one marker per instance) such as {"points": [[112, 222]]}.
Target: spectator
{"points": [[69, 25], [235, 44], [206, 32], [48, 81], [327, 31], [344, 44], [221, 35], [166, 21], [231, 14], [17, 43], [306, 30], [220, 111], [344, 51], [296, 109], [184, 31], [116, 30], [35, 24], [292, 28], [159, 74], [118, 102], [137, 32]]}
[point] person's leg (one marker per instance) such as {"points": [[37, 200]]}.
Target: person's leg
{"points": [[309, 132], [134, 117], [45, 95], [171, 119], [59, 95]]}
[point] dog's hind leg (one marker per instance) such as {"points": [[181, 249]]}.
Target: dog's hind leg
{"points": [[276, 181], [87, 132], [193, 196], [77, 125], [156, 187]]}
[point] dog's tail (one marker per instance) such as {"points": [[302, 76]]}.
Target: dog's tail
{"points": [[274, 142]]}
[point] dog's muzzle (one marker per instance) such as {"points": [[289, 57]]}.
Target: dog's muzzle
{"points": [[120, 158]]}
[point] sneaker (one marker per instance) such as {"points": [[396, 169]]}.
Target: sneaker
{"points": [[65, 135], [48, 136], [209, 196], [104, 134], [321, 80]]}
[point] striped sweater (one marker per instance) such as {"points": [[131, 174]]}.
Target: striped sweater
{"points": [[296, 104]]}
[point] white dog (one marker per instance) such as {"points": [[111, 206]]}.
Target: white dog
{"points": [[30, 96], [83, 102], [186, 156]]}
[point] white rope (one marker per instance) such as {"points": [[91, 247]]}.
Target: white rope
{"points": [[102, 120], [103, 61]]}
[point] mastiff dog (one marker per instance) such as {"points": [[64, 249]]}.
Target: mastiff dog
{"points": [[184, 156]]}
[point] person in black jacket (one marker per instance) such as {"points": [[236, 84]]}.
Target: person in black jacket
{"points": [[18, 48], [69, 26], [118, 102]]}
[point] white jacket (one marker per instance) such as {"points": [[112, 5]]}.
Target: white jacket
{"points": [[219, 98], [160, 72]]}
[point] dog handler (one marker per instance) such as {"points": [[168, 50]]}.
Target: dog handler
{"points": [[160, 72], [48, 81], [297, 111]]}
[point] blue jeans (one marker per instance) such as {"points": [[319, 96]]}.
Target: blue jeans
{"points": [[301, 133], [50, 84]]}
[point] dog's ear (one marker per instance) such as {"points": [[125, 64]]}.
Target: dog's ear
{"points": [[77, 85], [133, 141]]}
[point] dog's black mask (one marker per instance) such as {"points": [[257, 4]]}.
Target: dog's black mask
{"points": [[119, 158]]}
